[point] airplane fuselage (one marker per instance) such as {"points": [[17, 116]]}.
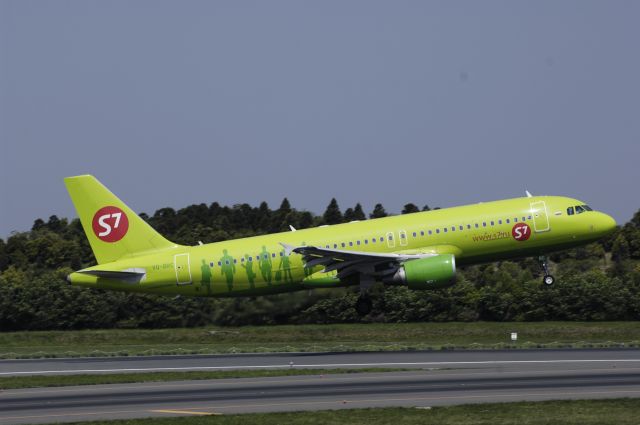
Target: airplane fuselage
{"points": [[484, 232]]}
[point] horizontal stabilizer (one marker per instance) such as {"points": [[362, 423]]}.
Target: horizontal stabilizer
{"points": [[132, 275]]}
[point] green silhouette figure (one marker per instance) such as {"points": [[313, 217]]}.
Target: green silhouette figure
{"points": [[227, 268], [205, 280], [265, 265], [285, 267], [248, 266]]}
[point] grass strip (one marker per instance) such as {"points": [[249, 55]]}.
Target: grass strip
{"points": [[313, 338], [571, 412], [14, 382]]}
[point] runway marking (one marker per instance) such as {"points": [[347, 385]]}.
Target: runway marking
{"points": [[186, 412], [321, 365]]}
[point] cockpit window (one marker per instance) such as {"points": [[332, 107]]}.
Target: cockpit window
{"points": [[587, 207], [570, 211], [579, 209]]}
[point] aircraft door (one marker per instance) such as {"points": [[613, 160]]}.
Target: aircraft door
{"points": [[403, 237], [540, 216], [391, 243], [183, 271]]}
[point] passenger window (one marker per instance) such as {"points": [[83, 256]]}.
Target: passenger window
{"points": [[492, 223], [468, 226], [273, 255], [366, 241], [477, 225], [281, 254], [515, 219], [461, 227], [437, 230], [350, 243], [358, 243], [508, 221], [211, 264], [335, 245], [343, 244], [415, 234], [484, 224], [499, 221], [421, 232], [219, 263], [445, 230], [430, 232]]}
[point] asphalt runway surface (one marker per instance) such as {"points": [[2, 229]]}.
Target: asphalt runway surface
{"points": [[439, 378]]}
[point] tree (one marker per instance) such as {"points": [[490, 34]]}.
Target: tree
{"points": [[378, 212], [620, 249], [332, 215], [410, 208], [4, 259], [354, 214]]}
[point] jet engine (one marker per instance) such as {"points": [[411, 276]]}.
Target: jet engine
{"points": [[438, 271]]}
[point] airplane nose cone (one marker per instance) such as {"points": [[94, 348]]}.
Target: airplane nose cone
{"points": [[606, 224]]}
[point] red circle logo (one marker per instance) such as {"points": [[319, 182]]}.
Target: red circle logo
{"points": [[521, 232], [110, 224]]}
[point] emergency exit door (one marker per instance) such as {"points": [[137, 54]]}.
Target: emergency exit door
{"points": [[183, 271]]}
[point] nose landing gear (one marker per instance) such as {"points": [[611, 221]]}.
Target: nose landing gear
{"points": [[548, 280]]}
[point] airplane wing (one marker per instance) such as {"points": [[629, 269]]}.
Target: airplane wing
{"points": [[345, 263]]}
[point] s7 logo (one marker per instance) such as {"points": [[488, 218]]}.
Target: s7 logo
{"points": [[110, 224]]}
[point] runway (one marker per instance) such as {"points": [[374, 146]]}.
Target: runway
{"points": [[440, 378], [511, 359]]}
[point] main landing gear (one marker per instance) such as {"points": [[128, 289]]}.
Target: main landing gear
{"points": [[548, 280]]}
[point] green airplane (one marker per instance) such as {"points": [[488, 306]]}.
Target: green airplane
{"points": [[417, 250]]}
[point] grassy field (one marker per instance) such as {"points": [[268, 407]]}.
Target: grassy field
{"points": [[350, 337], [581, 412], [13, 382]]}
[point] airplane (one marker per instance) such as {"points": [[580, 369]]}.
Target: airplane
{"points": [[418, 250]]}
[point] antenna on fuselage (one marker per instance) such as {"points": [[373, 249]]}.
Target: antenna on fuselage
{"points": [[528, 194], [293, 229]]}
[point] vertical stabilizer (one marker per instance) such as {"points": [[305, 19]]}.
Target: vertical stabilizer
{"points": [[113, 229]]}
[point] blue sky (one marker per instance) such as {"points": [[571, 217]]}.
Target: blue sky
{"points": [[171, 103]]}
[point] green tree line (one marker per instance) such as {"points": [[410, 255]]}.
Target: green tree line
{"points": [[600, 281]]}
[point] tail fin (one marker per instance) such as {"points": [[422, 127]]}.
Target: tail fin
{"points": [[113, 229]]}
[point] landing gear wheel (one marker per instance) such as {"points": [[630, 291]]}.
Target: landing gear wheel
{"points": [[363, 306], [547, 280]]}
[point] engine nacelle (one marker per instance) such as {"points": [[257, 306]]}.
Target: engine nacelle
{"points": [[438, 271]]}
